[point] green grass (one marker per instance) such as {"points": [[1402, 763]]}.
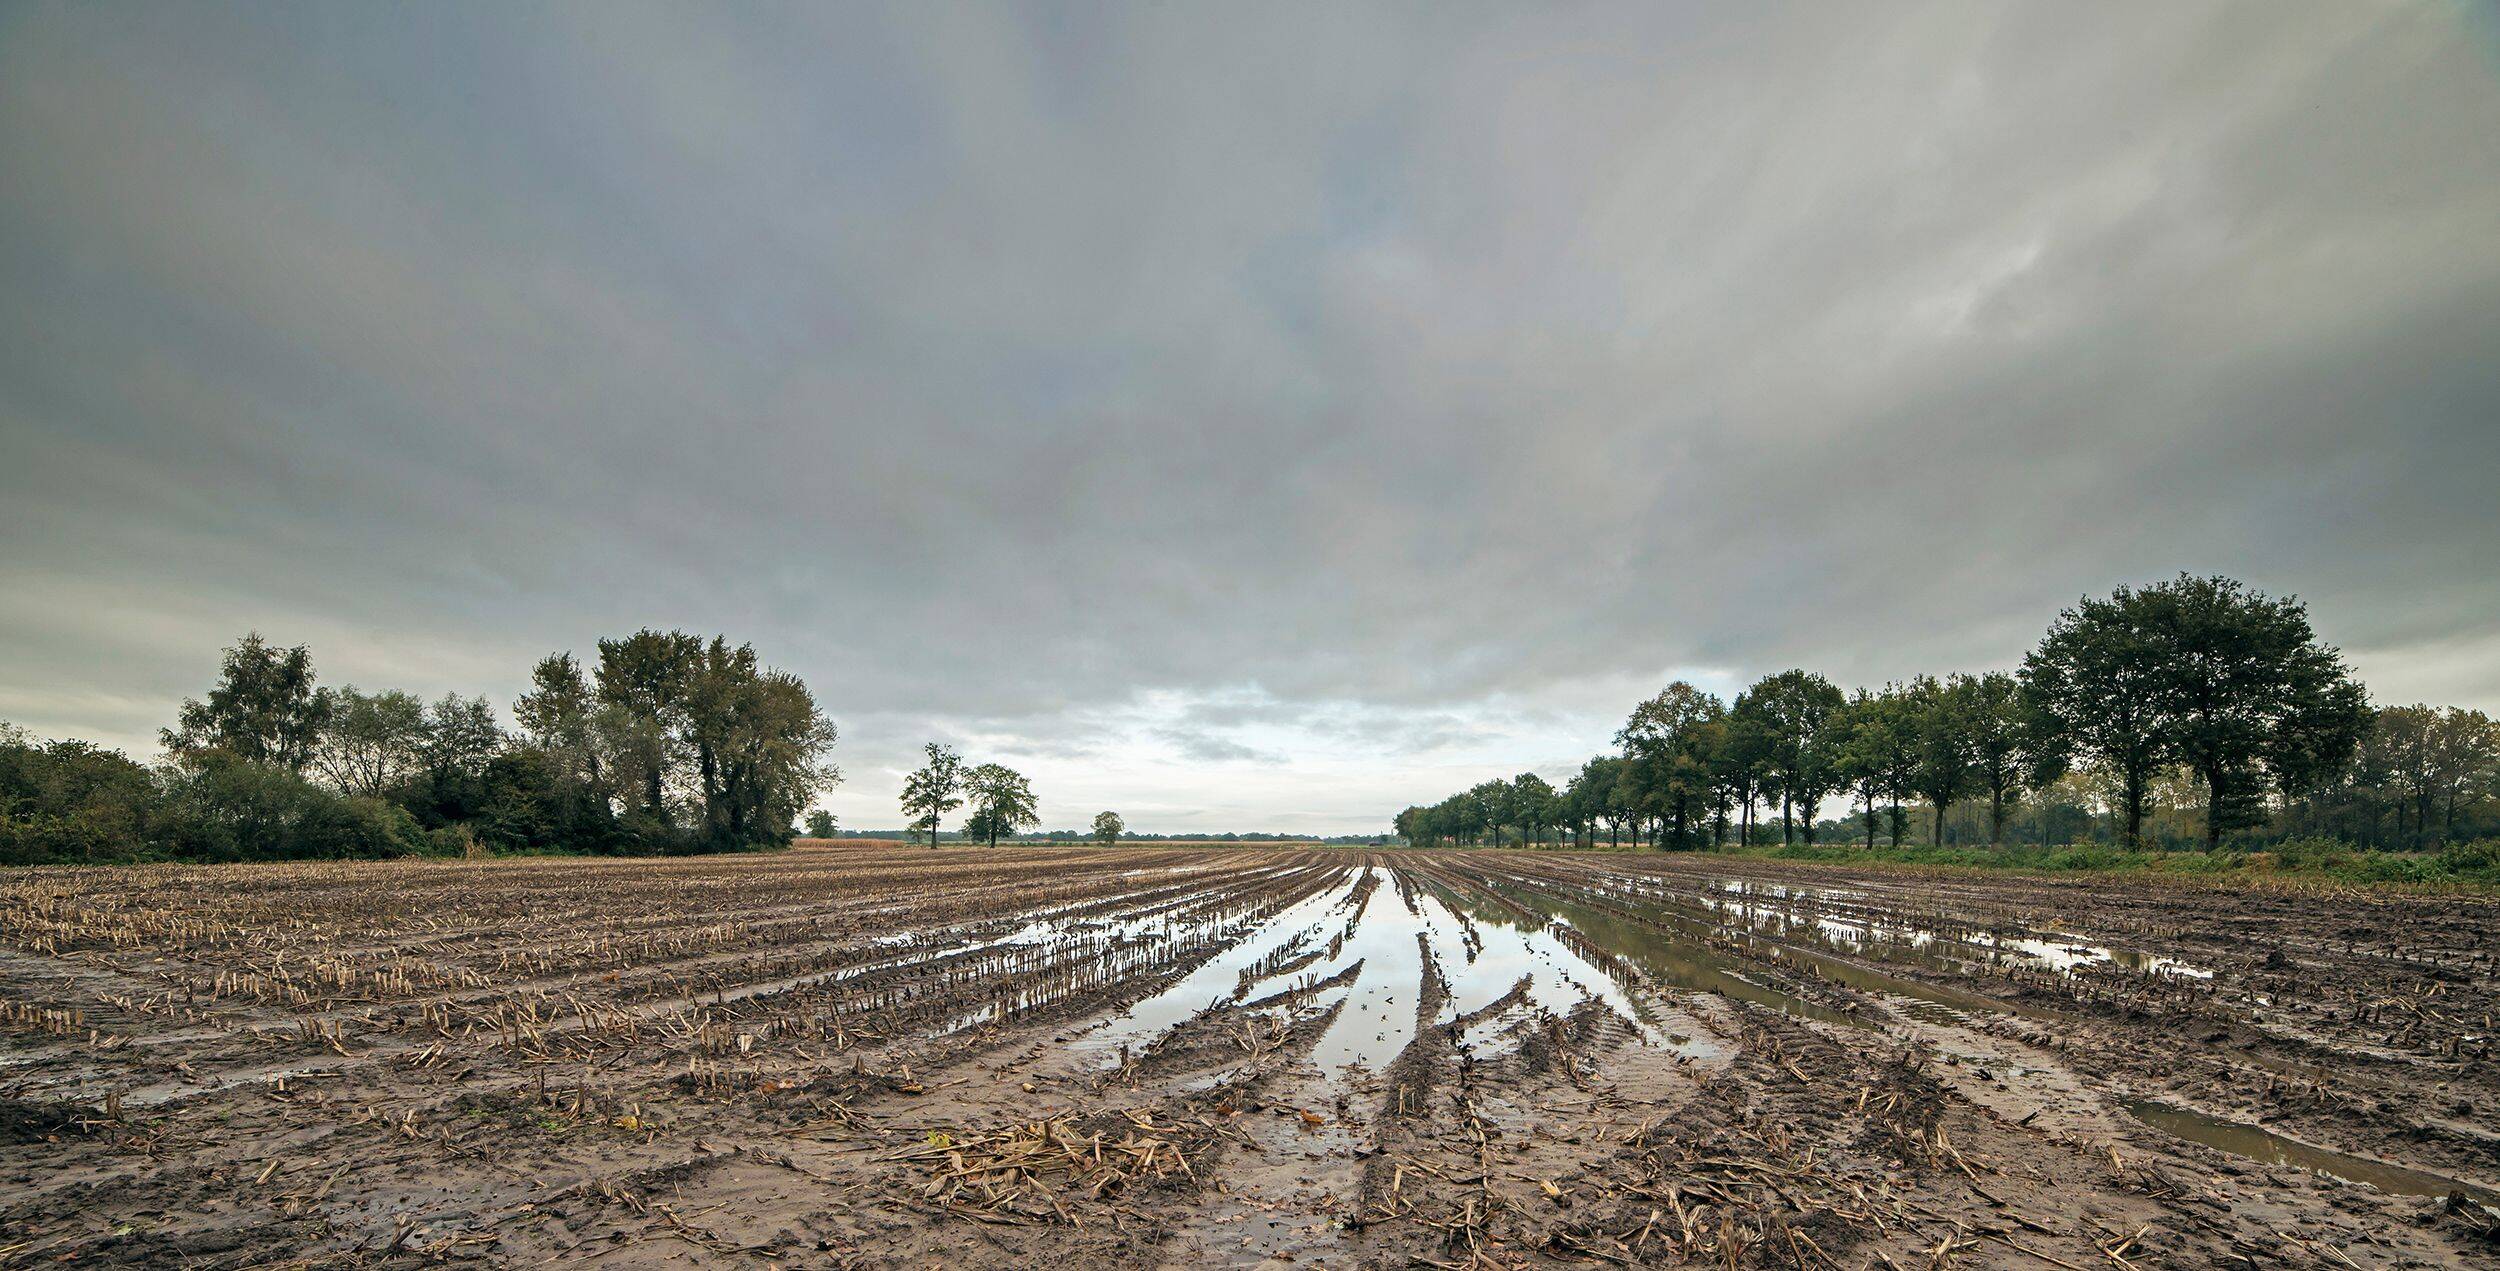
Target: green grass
{"points": [[2463, 866]]}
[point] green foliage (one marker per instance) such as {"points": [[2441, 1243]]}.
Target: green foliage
{"points": [[1108, 827], [932, 791], [820, 824], [371, 744], [225, 808], [1797, 715], [2474, 865], [1669, 741], [264, 708], [685, 745], [2204, 673], [2190, 708], [1002, 803]]}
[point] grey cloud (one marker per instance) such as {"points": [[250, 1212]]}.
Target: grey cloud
{"points": [[1425, 384], [1213, 748]]}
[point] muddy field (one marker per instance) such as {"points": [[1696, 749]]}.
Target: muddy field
{"points": [[876, 1055]]}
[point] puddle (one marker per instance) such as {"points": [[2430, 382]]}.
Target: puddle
{"points": [[1682, 962], [1221, 977], [2241, 1139], [1783, 932], [1380, 928], [1835, 916]]}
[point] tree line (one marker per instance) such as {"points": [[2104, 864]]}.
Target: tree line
{"points": [[668, 743], [2195, 688]]}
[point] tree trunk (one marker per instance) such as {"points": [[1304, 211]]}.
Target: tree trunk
{"points": [[1941, 805], [2134, 795], [1996, 816], [2213, 812]]}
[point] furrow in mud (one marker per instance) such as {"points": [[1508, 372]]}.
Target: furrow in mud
{"points": [[889, 1056]]}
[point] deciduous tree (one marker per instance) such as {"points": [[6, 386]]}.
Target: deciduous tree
{"points": [[1002, 802], [935, 790], [264, 709]]}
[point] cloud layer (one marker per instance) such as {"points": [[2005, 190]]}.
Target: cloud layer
{"points": [[1250, 417]]}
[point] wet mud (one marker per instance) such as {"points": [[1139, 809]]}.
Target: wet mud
{"points": [[882, 1056]]}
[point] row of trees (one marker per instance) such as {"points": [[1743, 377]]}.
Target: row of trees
{"points": [[2424, 775], [2198, 679], [670, 743]]}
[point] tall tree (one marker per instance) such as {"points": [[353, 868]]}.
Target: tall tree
{"points": [[1999, 735], [820, 824], [2098, 682], [935, 790], [2254, 702], [560, 715], [2203, 672], [1796, 710], [648, 676], [1670, 738], [1533, 799], [370, 743], [1871, 732], [1108, 827], [1738, 762], [264, 708], [768, 756], [1938, 714], [1494, 807], [1002, 802]]}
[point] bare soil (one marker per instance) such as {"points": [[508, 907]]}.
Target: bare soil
{"points": [[869, 1054]]}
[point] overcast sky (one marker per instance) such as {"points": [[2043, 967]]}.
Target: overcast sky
{"points": [[1241, 416]]}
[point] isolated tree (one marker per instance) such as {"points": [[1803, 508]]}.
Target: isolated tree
{"points": [[264, 708], [1002, 802], [370, 743], [1108, 827], [935, 790], [820, 824]]}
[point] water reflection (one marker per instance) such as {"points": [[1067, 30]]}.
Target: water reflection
{"points": [[2240, 1139]]}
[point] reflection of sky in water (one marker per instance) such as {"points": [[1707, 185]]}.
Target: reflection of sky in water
{"points": [[1385, 947], [1386, 941], [1379, 1016], [1215, 979], [1765, 906]]}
